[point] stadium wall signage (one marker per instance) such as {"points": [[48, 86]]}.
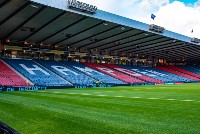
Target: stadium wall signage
{"points": [[12, 89], [82, 7], [156, 28], [195, 40]]}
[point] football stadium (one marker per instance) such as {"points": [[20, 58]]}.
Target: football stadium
{"points": [[68, 67]]}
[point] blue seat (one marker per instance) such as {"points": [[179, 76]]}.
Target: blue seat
{"points": [[70, 74], [194, 69], [157, 74], [93, 73]]}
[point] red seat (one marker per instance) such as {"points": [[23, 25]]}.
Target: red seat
{"points": [[134, 74], [8, 77], [177, 72], [113, 73]]}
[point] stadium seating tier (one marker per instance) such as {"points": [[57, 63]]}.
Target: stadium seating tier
{"points": [[9, 77], [36, 73]]}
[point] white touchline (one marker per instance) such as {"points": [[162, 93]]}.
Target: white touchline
{"points": [[153, 98], [56, 92], [72, 93], [170, 99], [86, 94], [135, 97], [187, 100], [101, 95]]}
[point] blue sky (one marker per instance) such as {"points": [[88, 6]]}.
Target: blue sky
{"points": [[185, 1]]}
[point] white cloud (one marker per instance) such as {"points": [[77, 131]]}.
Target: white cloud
{"points": [[176, 16], [134, 9]]}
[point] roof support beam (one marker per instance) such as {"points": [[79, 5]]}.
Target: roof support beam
{"points": [[15, 12], [50, 36], [136, 43], [180, 52], [4, 3], [54, 19], [94, 35], [149, 46], [30, 18], [118, 40], [77, 33]]}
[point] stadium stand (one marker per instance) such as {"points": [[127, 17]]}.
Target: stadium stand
{"points": [[70, 74], [9, 77], [194, 69], [36, 73], [93, 73], [114, 73], [184, 71], [192, 78], [134, 74], [157, 74]]}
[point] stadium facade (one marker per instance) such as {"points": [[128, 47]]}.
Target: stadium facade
{"points": [[36, 34]]}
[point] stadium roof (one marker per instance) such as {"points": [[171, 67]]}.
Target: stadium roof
{"points": [[49, 22]]}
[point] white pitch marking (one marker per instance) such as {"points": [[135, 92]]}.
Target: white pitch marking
{"points": [[57, 92], [187, 100], [152, 98], [72, 93], [119, 96], [170, 99], [86, 94], [101, 95], [135, 97]]}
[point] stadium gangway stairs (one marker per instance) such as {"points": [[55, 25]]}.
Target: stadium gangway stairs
{"points": [[36, 73], [193, 79], [68, 73], [9, 77], [97, 75], [114, 73], [134, 74]]}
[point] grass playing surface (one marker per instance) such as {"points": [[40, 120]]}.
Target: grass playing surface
{"points": [[166, 109]]}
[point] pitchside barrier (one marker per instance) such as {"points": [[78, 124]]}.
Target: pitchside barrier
{"points": [[5, 129], [11, 89], [102, 85], [37, 88]]}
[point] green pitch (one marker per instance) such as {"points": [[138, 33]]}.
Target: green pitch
{"points": [[165, 109]]}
